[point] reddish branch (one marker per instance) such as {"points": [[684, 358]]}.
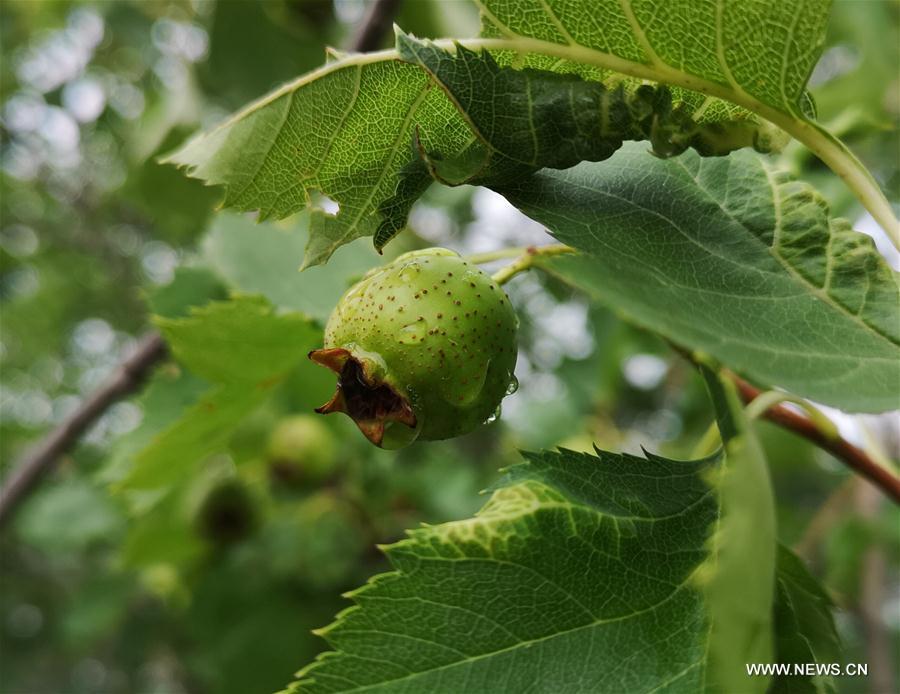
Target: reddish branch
{"points": [[855, 458]]}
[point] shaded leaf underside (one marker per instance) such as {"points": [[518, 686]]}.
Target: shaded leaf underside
{"points": [[765, 49], [346, 131], [730, 258]]}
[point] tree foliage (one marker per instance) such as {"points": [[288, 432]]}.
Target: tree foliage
{"points": [[193, 541]]}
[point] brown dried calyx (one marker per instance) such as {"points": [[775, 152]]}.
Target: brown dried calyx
{"points": [[371, 404]]}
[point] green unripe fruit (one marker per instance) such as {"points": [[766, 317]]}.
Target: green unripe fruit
{"points": [[302, 449], [227, 514], [425, 348]]}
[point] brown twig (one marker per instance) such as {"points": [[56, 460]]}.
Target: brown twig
{"points": [[126, 379], [855, 458], [376, 23]]}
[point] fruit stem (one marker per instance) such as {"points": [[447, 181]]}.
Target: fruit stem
{"points": [[524, 261], [764, 401], [491, 256]]}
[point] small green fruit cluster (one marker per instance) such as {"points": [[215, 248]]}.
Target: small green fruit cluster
{"points": [[302, 451], [424, 348]]}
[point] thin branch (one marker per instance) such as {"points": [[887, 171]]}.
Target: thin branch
{"points": [[526, 261], [375, 25], [855, 458], [126, 379], [493, 256]]}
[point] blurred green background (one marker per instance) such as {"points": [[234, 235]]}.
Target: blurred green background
{"points": [[216, 587]]}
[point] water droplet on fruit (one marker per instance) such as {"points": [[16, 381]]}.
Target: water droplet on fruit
{"points": [[513, 385], [465, 386], [495, 415]]}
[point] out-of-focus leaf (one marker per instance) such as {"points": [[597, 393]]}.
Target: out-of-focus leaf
{"points": [[738, 579], [263, 258], [203, 430], [317, 541], [244, 347], [434, 18], [804, 626], [249, 627], [730, 258], [243, 341], [164, 536], [96, 609], [169, 394], [69, 517], [178, 206], [191, 286], [255, 46], [858, 68]]}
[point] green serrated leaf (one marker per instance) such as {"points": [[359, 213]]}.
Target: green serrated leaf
{"points": [[730, 258], [344, 131], [524, 120], [243, 347], [604, 573], [263, 259], [756, 56], [348, 130], [527, 119], [576, 576], [706, 41]]}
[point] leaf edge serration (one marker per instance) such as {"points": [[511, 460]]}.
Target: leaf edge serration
{"points": [[702, 473]]}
